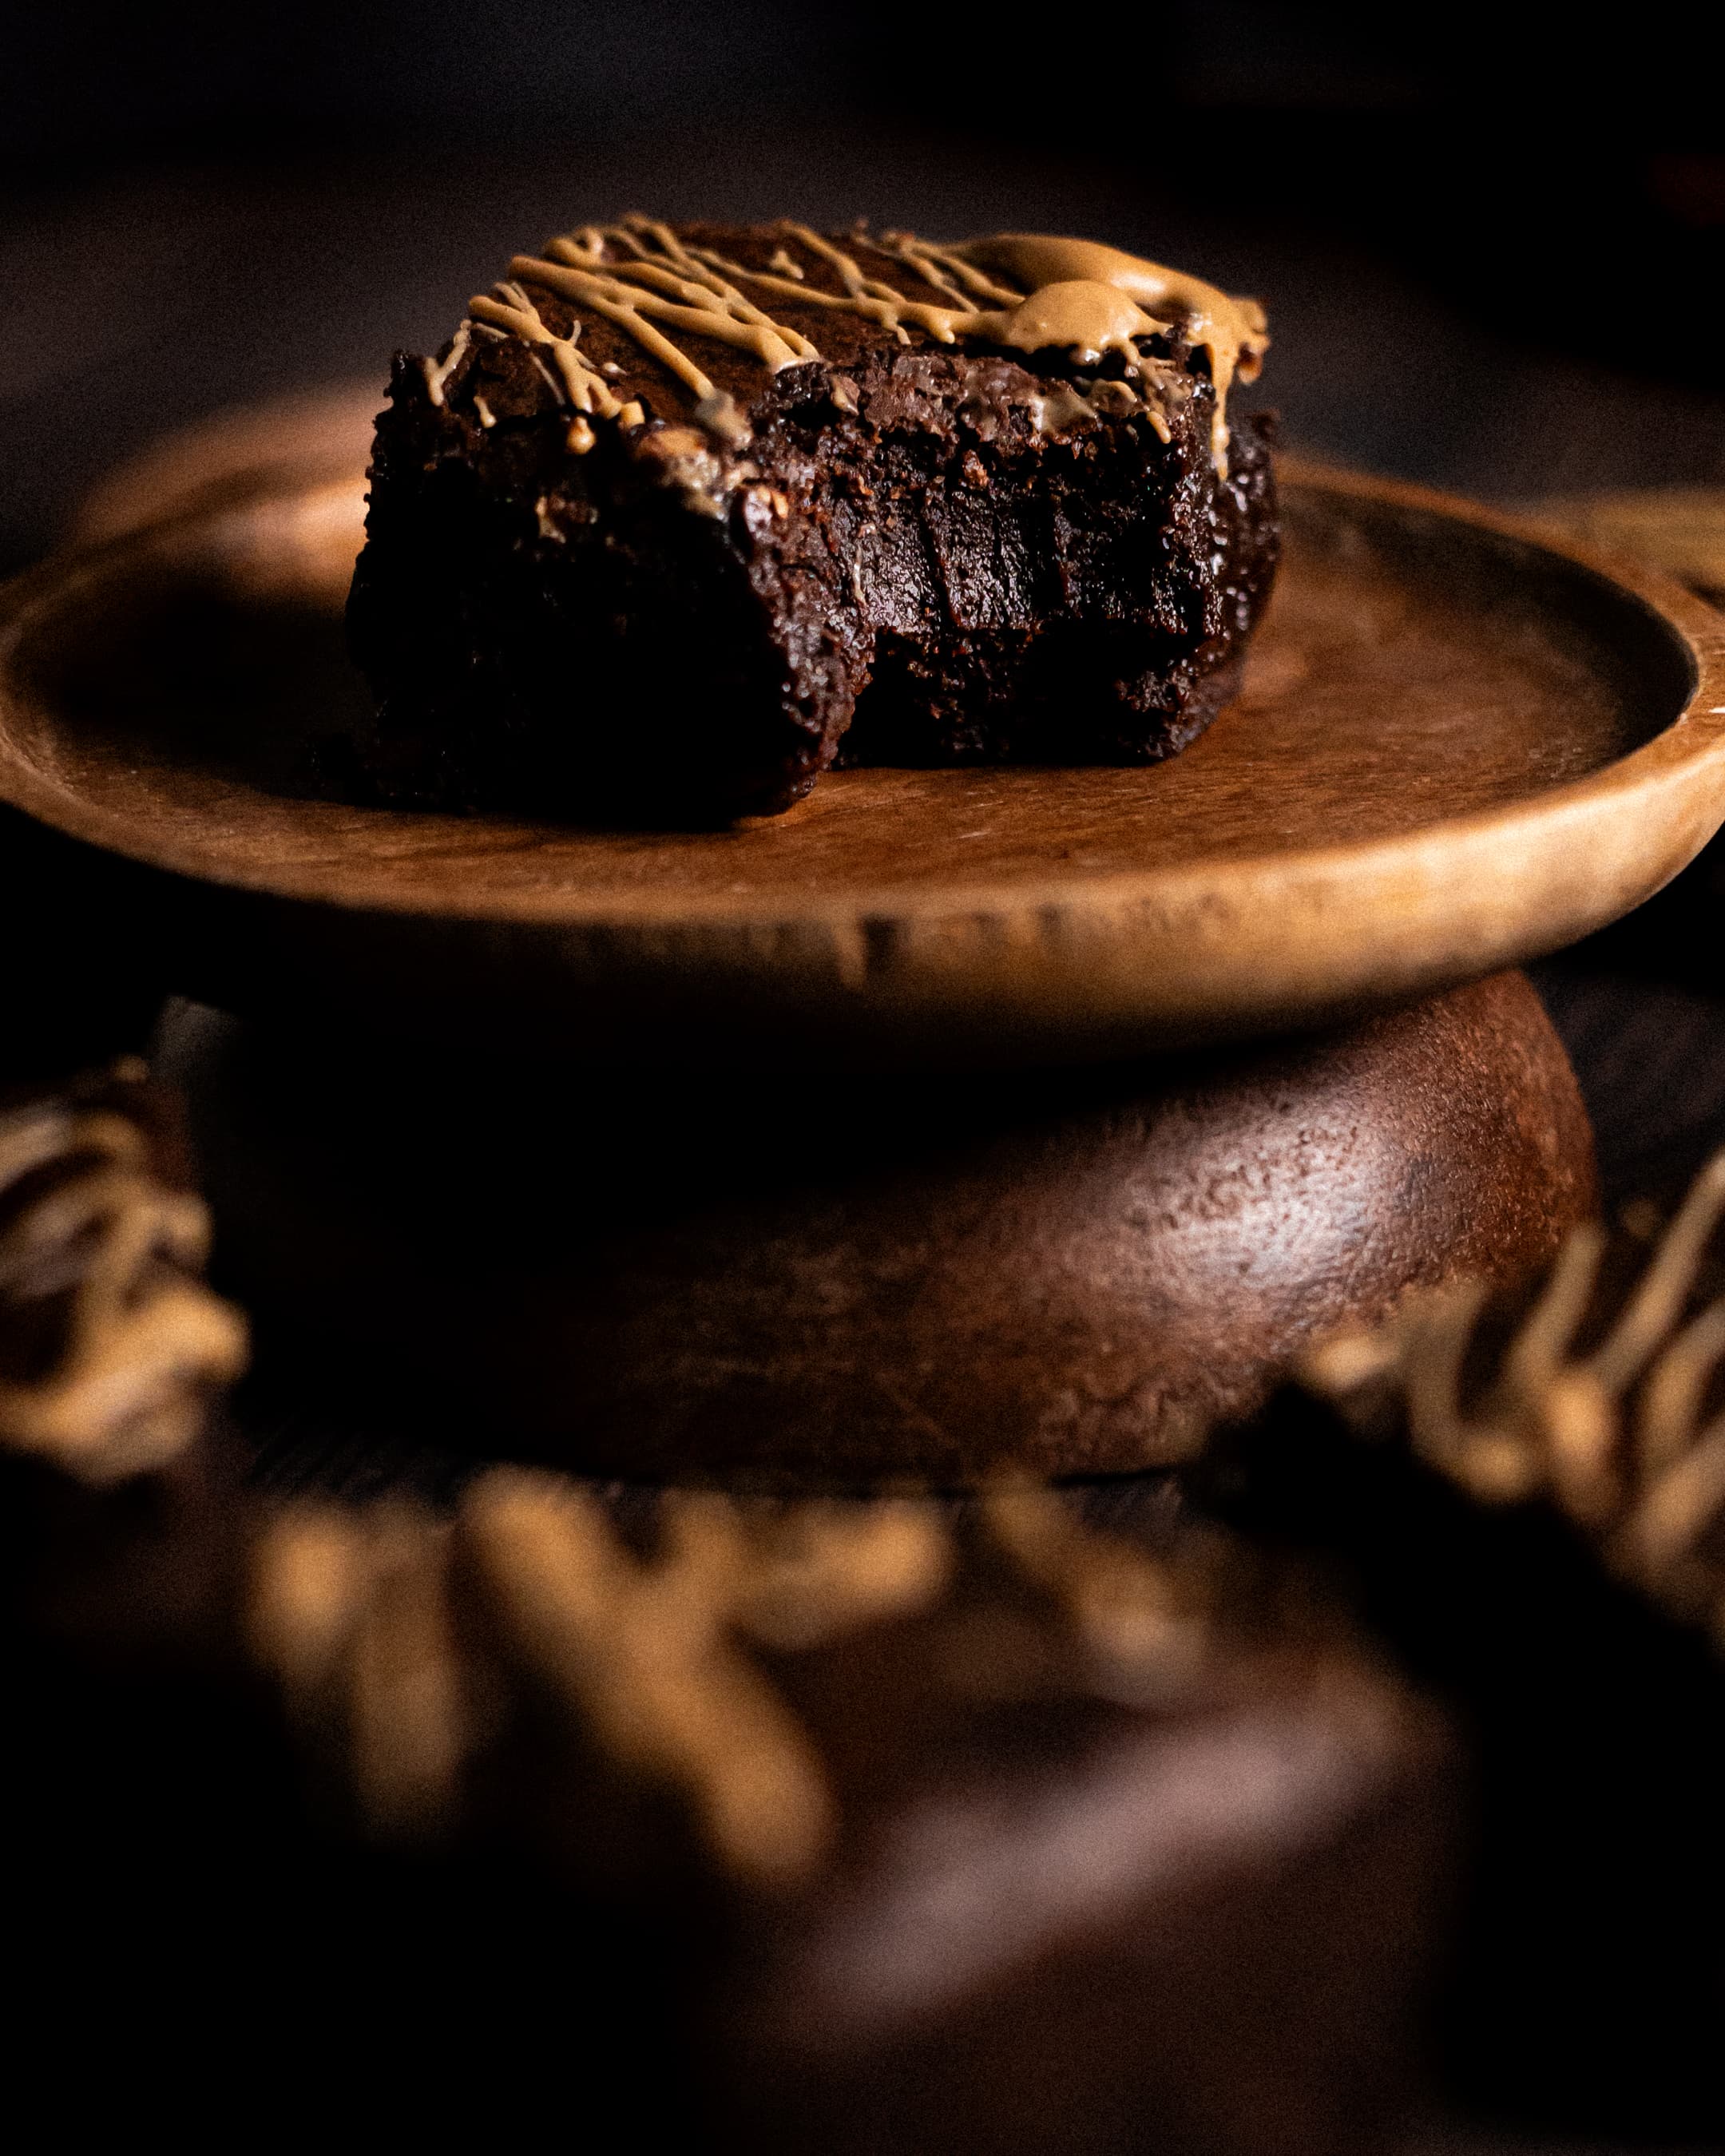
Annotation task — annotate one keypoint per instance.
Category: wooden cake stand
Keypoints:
(911, 1132)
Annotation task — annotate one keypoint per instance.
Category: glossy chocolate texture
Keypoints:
(905, 551)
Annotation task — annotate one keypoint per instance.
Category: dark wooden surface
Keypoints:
(1649, 1054)
(1079, 1271)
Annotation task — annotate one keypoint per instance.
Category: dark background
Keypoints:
(1491, 238)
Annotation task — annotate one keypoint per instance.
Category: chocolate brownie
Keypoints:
(681, 516)
(111, 1344)
(854, 1827)
(861, 1826)
(1530, 1506)
(1009, 1836)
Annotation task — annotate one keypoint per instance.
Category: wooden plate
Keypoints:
(1462, 743)
(1678, 529)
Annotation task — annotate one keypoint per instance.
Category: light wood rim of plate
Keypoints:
(1205, 946)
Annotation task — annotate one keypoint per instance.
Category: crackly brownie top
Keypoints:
(641, 318)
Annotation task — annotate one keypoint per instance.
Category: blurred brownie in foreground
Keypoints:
(1531, 1504)
(841, 1826)
(682, 514)
(995, 1836)
(111, 1344)
(867, 1826)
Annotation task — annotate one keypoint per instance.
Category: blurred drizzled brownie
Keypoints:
(681, 516)
(1530, 1502)
(111, 1344)
(866, 1826)
(994, 1835)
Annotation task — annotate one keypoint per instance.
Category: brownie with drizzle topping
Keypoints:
(862, 1827)
(682, 516)
(111, 1344)
(933, 1835)
(1528, 1497)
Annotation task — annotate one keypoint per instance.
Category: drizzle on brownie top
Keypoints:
(1023, 291)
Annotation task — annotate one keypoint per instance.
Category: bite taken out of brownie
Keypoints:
(683, 515)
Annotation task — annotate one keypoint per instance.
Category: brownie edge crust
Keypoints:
(682, 516)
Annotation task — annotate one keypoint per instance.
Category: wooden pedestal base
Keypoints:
(833, 1280)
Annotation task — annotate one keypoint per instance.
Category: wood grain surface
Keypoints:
(1461, 744)
(1678, 529)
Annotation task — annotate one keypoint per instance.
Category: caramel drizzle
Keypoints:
(350, 1611)
(1147, 1626)
(511, 311)
(647, 1654)
(438, 371)
(143, 1340)
(864, 295)
(1232, 333)
(1614, 1436)
(947, 269)
(362, 1618)
(1085, 298)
